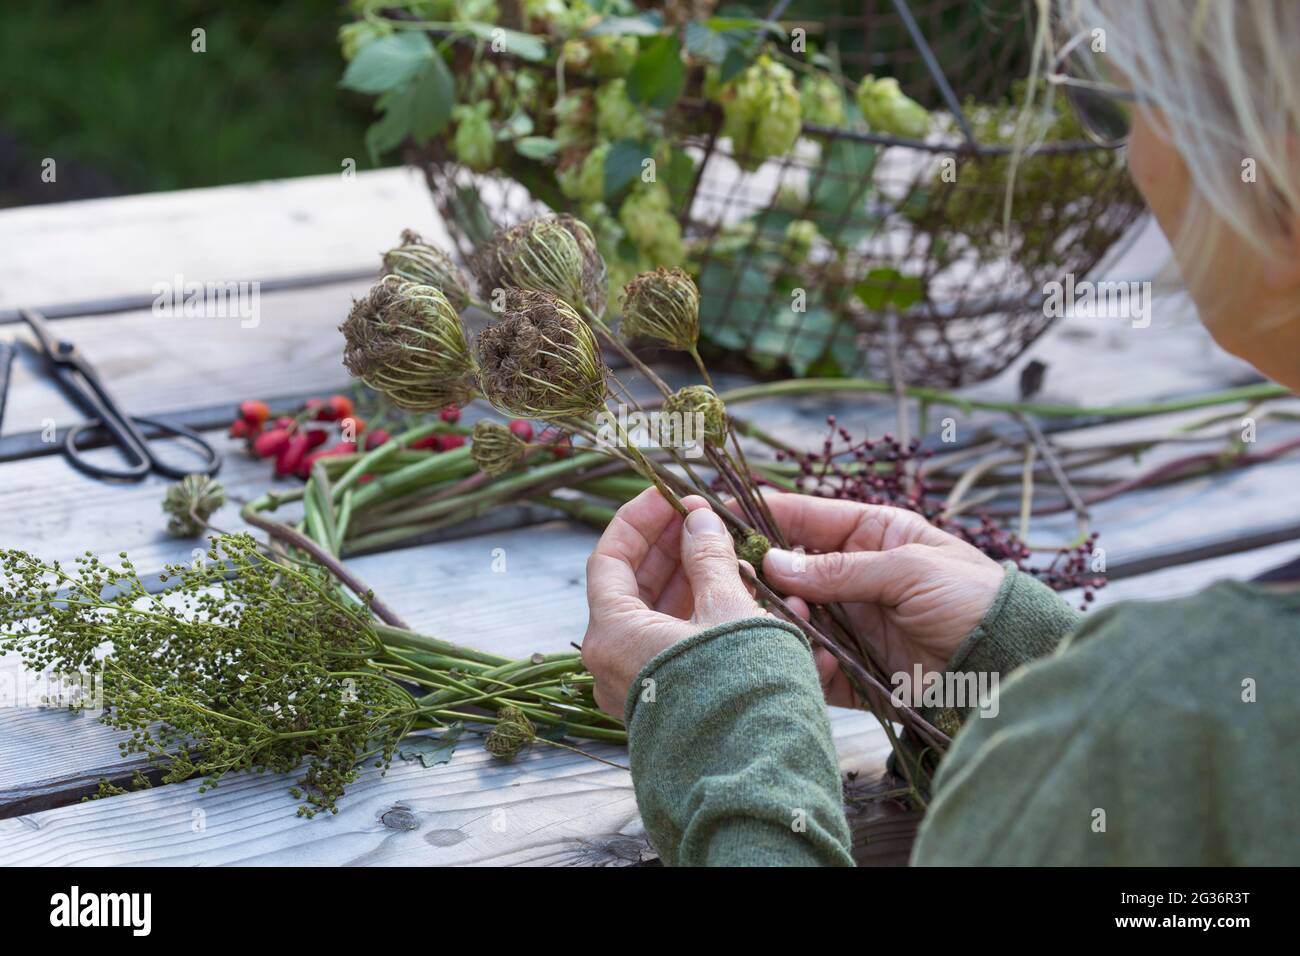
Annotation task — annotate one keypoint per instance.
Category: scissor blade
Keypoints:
(45, 337)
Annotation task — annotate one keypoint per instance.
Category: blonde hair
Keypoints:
(1225, 77)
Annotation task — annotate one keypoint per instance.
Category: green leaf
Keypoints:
(419, 110)
(537, 147)
(523, 45)
(741, 52)
(432, 96)
(648, 24)
(889, 288)
(746, 24)
(623, 164)
(657, 76)
(387, 63)
(519, 125)
(704, 43)
(679, 175)
(430, 749)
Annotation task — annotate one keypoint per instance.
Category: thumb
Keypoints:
(709, 562)
(870, 576)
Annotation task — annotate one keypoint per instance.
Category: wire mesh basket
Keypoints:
(859, 253)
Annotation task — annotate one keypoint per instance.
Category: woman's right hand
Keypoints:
(914, 592)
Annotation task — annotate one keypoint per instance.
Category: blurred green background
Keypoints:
(113, 93)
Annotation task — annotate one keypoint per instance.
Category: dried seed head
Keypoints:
(190, 502)
(540, 360)
(557, 255)
(696, 400)
(513, 732)
(495, 448)
(422, 263)
(406, 340)
(663, 305)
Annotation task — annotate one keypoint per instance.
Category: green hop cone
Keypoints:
(420, 262)
(540, 360)
(575, 119)
(189, 503)
(761, 113)
(799, 238)
(406, 340)
(651, 226)
(612, 55)
(616, 117)
(821, 101)
(475, 142)
(888, 110)
(694, 413)
(495, 448)
(663, 305)
(585, 180)
(512, 733)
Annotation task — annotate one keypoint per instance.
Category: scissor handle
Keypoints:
(135, 448)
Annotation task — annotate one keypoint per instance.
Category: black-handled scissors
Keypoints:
(79, 379)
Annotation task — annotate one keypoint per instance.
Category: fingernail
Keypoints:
(704, 521)
(779, 562)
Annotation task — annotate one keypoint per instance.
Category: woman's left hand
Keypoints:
(652, 581)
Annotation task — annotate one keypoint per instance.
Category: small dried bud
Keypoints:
(663, 305)
(190, 502)
(495, 448)
(557, 255)
(513, 732)
(540, 360)
(406, 340)
(752, 548)
(420, 262)
(691, 401)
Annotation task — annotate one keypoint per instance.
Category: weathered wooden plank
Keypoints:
(314, 225)
(547, 807)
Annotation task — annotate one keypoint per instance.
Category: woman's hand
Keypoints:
(913, 591)
(652, 581)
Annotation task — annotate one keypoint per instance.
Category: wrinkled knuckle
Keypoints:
(714, 550)
(835, 568)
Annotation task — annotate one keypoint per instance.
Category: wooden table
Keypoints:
(313, 243)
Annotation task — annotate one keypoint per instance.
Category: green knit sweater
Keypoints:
(1147, 733)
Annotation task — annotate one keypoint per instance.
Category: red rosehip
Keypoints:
(254, 412)
(376, 437)
(340, 406)
(428, 441)
(239, 429)
(451, 441)
(270, 442)
(366, 479)
(287, 422)
(522, 429)
(291, 455)
(562, 448)
(450, 414)
(342, 448)
(316, 409)
(316, 437)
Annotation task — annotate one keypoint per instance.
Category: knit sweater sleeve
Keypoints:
(731, 751)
